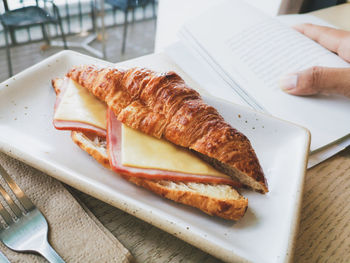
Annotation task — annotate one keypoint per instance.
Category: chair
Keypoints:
(26, 17)
(313, 5)
(125, 6)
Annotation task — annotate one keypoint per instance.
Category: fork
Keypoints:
(26, 231)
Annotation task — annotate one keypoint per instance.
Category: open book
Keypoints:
(238, 53)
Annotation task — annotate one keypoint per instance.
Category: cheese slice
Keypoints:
(144, 151)
(79, 105)
(138, 149)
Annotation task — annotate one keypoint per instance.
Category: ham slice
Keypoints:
(114, 133)
(73, 125)
(78, 126)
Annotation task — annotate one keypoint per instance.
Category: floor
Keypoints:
(140, 41)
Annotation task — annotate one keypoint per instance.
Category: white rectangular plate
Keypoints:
(265, 234)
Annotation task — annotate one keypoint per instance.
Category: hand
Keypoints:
(322, 80)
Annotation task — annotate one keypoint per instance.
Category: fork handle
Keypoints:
(50, 254)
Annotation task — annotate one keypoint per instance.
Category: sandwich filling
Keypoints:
(131, 152)
(76, 109)
(114, 146)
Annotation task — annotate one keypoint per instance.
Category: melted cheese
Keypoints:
(144, 151)
(78, 104)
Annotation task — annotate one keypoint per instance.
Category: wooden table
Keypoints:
(324, 232)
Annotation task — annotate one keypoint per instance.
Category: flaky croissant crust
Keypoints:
(162, 105)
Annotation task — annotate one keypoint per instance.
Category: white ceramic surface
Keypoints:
(265, 234)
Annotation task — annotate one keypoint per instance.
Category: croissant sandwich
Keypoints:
(156, 132)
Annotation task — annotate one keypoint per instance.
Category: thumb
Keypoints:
(318, 80)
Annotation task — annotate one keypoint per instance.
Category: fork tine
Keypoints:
(10, 202)
(22, 198)
(5, 215)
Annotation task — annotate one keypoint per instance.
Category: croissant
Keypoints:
(162, 105)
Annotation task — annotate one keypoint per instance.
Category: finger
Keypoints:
(318, 80)
(335, 40)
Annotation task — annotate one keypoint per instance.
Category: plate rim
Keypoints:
(144, 214)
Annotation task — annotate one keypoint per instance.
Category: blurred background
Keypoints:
(114, 30)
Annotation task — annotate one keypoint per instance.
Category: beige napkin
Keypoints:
(73, 231)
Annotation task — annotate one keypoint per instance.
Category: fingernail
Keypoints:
(289, 82)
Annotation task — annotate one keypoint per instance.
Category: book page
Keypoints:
(254, 51)
(194, 65)
(270, 50)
